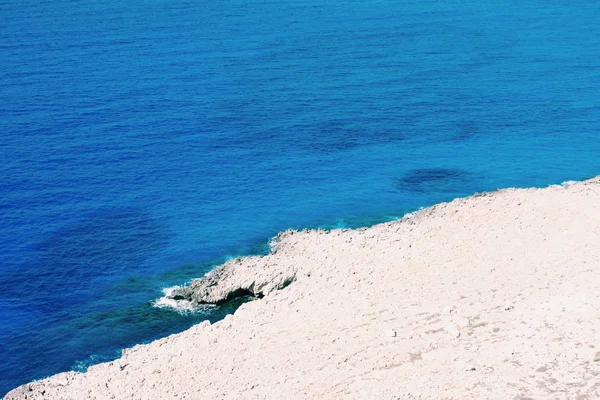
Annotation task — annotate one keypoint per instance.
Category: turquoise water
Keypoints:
(144, 141)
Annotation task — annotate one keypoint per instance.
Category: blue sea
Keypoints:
(144, 142)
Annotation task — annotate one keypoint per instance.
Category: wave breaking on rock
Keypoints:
(250, 276)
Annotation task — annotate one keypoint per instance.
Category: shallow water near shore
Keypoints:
(144, 142)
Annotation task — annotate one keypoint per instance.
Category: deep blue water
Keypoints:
(143, 141)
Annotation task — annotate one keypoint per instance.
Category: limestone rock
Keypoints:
(452, 329)
(252, 276)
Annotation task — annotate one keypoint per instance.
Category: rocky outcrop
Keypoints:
(250, 276)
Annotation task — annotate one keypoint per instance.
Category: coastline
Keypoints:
(488, 296)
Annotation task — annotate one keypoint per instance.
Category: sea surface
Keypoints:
(144, 142)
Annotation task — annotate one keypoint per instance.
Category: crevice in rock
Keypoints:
(238, 294)
(236, 279)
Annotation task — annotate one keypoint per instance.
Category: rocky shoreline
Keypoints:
(248, 276)
(492, 296)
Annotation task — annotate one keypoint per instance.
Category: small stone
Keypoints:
(452, 329)
(597, 356)
(470, 367)
(447, 310)
(392, 333)
(508, 307)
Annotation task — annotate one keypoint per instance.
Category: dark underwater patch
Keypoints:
(100, 245)
(445, 180)
(104, 238)
(333, 136)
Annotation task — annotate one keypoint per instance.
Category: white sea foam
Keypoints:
(83, 365)
(564, 184)
(273, 243)
(411, 214)
(568, 183)
(181, 306)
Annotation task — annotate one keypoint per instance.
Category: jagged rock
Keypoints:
(251, 276)
(448, 310)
